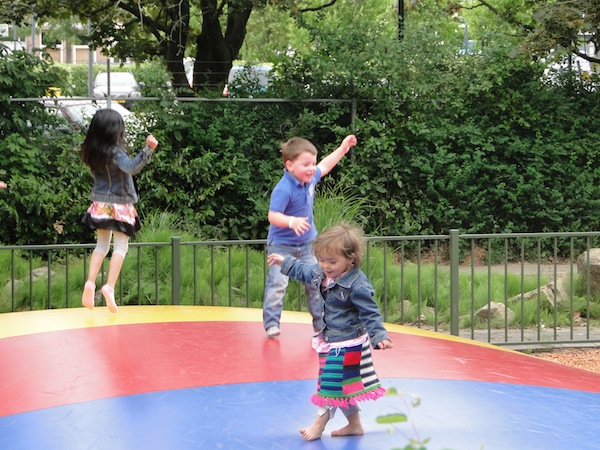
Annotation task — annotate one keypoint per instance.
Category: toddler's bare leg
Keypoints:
(315, 431)
(354, 427)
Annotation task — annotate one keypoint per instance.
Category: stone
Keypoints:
(495, 311)
(550, 296)
(594, 269)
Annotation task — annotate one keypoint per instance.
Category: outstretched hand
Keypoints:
(274, 258)
(348, 142)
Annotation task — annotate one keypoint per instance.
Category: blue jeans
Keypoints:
(277, 285)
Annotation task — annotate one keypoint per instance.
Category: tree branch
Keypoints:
(318, 8)
(509, 18)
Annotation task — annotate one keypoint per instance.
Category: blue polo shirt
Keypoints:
(293, 198)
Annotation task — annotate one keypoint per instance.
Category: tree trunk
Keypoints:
(178, 33)
(216, 52)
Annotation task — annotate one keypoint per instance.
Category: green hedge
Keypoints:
(480, 143)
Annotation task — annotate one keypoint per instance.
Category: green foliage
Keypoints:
(333, 205)
(38, 161)
(409, 402)
(23, 75)
(480, 142)
(216, 170)
(47, 189)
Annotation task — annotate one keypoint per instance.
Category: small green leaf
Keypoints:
(392, 418)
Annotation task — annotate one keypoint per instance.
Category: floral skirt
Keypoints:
(347, 376)
(112, 216)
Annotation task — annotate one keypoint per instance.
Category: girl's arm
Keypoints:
(368, 311)
(297, 270)
(275, 258)
(133, 166)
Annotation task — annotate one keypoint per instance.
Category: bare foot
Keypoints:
(349, 430)
(315, 431)
(312, 433)
(109, 296)
(87, 299)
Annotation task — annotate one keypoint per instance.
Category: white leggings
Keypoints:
(120, 244)
(349, 411)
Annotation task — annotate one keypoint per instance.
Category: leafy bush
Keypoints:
(476, 142)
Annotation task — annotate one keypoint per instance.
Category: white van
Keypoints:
(7, 47)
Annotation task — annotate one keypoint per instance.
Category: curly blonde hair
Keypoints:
(343, 239)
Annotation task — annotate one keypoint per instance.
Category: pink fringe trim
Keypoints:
(347, 401)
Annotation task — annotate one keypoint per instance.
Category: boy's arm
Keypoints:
(300, 225)
(334, 157)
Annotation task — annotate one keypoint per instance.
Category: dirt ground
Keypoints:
(582, 358)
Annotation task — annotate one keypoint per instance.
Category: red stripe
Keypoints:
(56, 368)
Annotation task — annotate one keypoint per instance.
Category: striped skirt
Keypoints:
(347, 376)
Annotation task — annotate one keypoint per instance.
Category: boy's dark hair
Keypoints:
(106, 131)
(342, 239)
(295, 146)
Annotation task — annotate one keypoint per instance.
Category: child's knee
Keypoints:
(102, 248)
(120, 248)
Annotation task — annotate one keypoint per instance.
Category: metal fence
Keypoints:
(516, 289)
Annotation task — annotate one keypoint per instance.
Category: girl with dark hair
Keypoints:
(113, 196)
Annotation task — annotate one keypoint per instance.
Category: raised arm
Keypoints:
(330, 161)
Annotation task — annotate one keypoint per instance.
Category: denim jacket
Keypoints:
(350, 309)
(114, 182)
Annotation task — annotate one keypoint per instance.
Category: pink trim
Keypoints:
(347, 401)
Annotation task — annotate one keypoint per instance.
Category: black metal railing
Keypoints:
(507, 289)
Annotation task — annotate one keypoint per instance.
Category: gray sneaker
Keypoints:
(273, 331)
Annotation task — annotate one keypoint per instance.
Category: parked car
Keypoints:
(248, 80)
(255, 79)
(123, 87)
(7, 47)
(79, 112)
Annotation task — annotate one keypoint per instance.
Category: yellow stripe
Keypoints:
(31, 322)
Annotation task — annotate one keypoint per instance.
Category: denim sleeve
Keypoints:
(297, 270)
(131, 166)
(368, 311)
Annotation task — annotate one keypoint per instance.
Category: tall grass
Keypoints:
(234, 275)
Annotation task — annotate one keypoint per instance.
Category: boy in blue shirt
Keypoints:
(291, 229)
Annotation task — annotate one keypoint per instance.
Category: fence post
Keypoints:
(454, 263)
(176, 263)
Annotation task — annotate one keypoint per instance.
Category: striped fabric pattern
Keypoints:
(347, 375)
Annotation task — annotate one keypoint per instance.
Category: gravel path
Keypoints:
(581, 358)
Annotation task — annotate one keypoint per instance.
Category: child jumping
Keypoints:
(352, 324)
(291, 229)
(113, 195)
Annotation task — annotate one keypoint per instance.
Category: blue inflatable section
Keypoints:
(460, 415)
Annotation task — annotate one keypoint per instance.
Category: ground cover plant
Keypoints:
(232, 273)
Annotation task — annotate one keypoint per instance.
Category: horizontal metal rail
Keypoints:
(513, 289)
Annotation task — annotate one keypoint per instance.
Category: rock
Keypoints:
(594, 268)
(550, 296)
(495, 311)
(40, 273)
